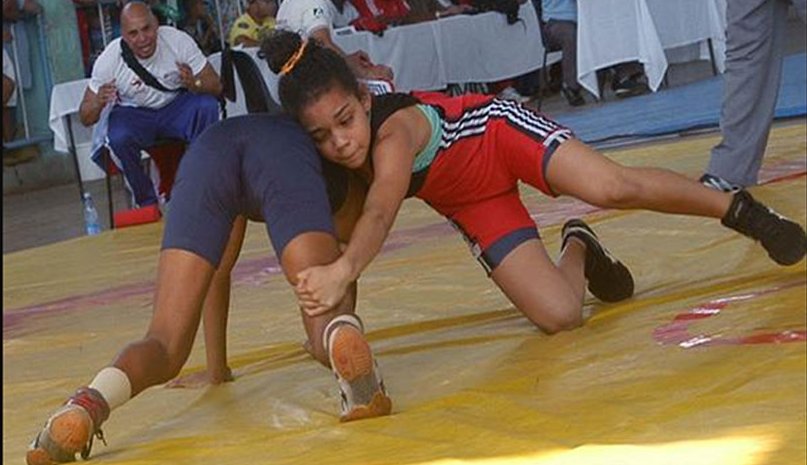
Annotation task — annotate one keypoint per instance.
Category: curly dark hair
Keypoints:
(318, 71)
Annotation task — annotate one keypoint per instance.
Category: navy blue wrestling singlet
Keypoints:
(260, 166)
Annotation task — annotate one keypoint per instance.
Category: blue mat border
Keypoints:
(681, 109)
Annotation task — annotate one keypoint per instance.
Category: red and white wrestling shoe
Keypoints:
(70, 430)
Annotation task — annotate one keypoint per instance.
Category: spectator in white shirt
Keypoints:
(177, 101)
(316, 19)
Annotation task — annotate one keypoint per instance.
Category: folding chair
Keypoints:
(166, 155)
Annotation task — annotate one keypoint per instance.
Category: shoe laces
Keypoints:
(85, 451)
(93, 402)
(97, 408)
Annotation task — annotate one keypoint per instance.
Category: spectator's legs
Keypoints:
(130, 130)
(563, 34)
(753, 71)
(8, 123)
(187, 116)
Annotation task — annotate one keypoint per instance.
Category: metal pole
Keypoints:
(103, 25)
(44, 55)
(712, 57)
(72, 147)
(108, 176)
(221, 24)
(18, 75)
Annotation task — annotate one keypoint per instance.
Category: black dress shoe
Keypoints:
(573, 96)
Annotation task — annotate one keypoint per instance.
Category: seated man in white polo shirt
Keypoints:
(317, 18)
(160, 86)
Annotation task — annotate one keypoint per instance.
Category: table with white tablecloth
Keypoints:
(65, 100)
(455, 49)
(69, 135)
(433, 54)
(617, 31)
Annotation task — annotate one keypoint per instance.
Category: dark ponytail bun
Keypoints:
(318, 70)
(278, 47)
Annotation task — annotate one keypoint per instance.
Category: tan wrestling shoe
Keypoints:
(358, 376)
(70, 430)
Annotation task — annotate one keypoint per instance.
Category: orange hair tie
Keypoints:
(289, 65)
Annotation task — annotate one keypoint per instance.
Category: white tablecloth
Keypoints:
(616, 31)
(411, 51)
(431, 55)
(457, 49)
(65, 100)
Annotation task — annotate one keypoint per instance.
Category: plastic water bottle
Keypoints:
(91, 223)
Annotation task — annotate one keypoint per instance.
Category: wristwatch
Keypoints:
(197, 83)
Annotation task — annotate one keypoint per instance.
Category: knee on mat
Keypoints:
(559, 323)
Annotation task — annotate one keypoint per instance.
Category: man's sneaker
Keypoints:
(573, 96)
(510, 93)
(719, 184)
(358, 376)
(628, 87)
(608, 279)
(70, 430)
(783, 239)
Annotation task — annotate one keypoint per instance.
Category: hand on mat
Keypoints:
(320, 288)
(200, 379)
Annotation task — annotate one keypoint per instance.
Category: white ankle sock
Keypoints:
(114, 385)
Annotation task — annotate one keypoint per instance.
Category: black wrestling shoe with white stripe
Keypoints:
(783, 239)
(608, 279)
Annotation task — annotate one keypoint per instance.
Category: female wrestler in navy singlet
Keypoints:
(257, 167)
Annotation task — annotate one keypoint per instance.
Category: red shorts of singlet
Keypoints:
(488, 145)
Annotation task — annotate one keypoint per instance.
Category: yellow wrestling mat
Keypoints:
(707, 364)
